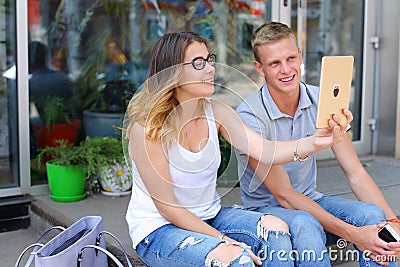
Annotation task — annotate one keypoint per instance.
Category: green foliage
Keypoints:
(108, 148)
(56, 111)
(107, 43)
(91, 154)
(225, 148)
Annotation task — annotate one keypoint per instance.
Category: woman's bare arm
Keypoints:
(241, 136)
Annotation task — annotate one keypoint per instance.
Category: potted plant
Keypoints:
(107, 104)
(69, 168)
(94, 159)
(72, 168)
(56, 123)
(109, 56)
(112, 72)
(113, 172)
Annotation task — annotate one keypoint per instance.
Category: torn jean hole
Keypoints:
(243, 259)
(263, 231)
(189, 241)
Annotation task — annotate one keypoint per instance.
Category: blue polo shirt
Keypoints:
(261, 113)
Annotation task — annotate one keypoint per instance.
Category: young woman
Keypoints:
(175, 216)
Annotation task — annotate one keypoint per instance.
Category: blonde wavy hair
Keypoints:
(155, 106)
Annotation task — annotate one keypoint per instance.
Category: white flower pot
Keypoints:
(115, 179)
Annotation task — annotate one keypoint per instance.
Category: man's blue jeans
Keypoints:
(173, 246)
(308, 236)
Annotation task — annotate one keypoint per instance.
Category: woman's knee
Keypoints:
(225, 253)
(274, 223)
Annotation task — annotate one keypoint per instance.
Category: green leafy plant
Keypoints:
(91, 154)
(108, 148)
(225, 148)
(107, 76)
(56, 111)
(227, 172)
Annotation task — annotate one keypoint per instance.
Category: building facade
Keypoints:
(95, 44)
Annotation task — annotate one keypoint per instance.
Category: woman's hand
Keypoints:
(231, 241)
(335, 133)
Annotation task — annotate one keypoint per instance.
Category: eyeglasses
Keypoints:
(199, 63)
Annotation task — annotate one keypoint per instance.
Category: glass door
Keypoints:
(14, 158)
(329, 28)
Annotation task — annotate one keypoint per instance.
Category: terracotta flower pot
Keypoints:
(47, 135)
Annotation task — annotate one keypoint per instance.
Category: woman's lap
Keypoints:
(170, 245)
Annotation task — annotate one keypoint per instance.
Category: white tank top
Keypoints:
(194, 177)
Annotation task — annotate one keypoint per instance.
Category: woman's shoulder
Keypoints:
(137, 132)
(218, 105)
(136, 127)
(222, 112)
(139, 139)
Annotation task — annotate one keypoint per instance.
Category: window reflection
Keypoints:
(334, 28)
(8, 98)
(104, 48)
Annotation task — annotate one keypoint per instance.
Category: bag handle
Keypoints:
(32, 254)
(80, 255)
(60, 228)
(36, 246)
(119, 242)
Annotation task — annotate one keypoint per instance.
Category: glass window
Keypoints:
(87, 55)
(8, 98)
(333, 28)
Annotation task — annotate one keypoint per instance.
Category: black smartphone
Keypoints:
(388, 234)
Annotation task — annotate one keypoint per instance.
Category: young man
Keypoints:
(285, 109)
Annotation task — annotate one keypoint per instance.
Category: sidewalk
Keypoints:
(46, 212)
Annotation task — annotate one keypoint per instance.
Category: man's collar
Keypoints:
(273, 110)
(305, 100)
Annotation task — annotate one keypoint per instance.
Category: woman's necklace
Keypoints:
(187, 127)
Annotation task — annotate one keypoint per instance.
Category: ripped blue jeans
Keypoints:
(173, 246)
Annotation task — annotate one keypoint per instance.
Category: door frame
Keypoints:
(281, 11)
(23, 96)
(21, 36)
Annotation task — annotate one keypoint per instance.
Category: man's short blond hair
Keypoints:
(270, 32)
